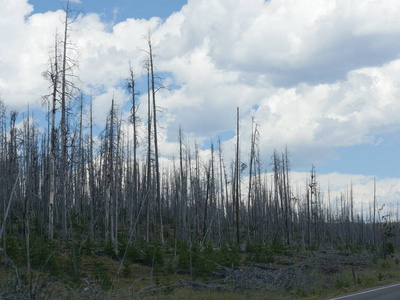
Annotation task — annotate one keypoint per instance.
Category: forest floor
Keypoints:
(307, 274)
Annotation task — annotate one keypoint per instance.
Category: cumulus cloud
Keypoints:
(290, 41)
(315, 75)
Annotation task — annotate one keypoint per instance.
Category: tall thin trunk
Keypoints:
(158, 186)
(206, 203)
(91, 173)
(64, 131)
(148, 178)
(52, 143)
(110, 174)
(237, 180)
(374, 219)
(182, 182)
(249, 194)
(222, 206)
(133, 116)
(27, 193)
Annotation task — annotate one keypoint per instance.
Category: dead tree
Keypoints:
(237, 181)
(157, 170)
(133, 118)
(67, 89)
(53, 74)
(250, 204)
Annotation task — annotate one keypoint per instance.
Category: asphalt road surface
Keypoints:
(386, 292)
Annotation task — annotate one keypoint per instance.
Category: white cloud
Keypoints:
(289, 41)
(314, 74)
(333, 186)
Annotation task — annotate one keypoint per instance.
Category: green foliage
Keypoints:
(388, 247)
(109, 250)
(341, 282)
(14, 249)
(102, 276)
(380, 276)
(203, 260)
(170, 269)
(196, 258)
(126, 271)
(42, 252)
(183, 255)
(88, 247)
(280, 248)
(354, 248)
(312, 247)
(122, 244)
(229, 256)
(153, 255)
(207, 259)
(75, 274)
(259, 253)
(301, 293)
(385, 265)
(133, 254)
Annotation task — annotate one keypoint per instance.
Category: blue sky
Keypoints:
(117, 11)
(321, 77)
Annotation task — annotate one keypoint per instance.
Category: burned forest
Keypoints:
(102, 212)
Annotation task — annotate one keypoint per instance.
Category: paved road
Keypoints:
(386, 292)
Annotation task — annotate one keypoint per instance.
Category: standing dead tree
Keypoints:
(134, 120)
(237, 180)
(68, 89)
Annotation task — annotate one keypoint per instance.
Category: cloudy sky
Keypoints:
(320, 76)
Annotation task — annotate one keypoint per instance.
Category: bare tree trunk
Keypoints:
(249, 194)
(110, 174)
(183, 183)
(148, 178)
(222, 204)
(206, 203)
(374, 219)
(308, 215)
(53, 141)
(133, 120)
(286, 184)
(158, 183)
(27, 193)
(237, 180)
(91, 174)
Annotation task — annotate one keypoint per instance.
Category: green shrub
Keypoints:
(14, 249)
(207, 259)
(109, 250)
(126, 271)
(153, 255)
(100, 273)
(183, 255)
(133, 254)
(229, 256)
(260, 253)
(88, 247)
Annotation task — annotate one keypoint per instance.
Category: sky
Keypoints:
(321, 77)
